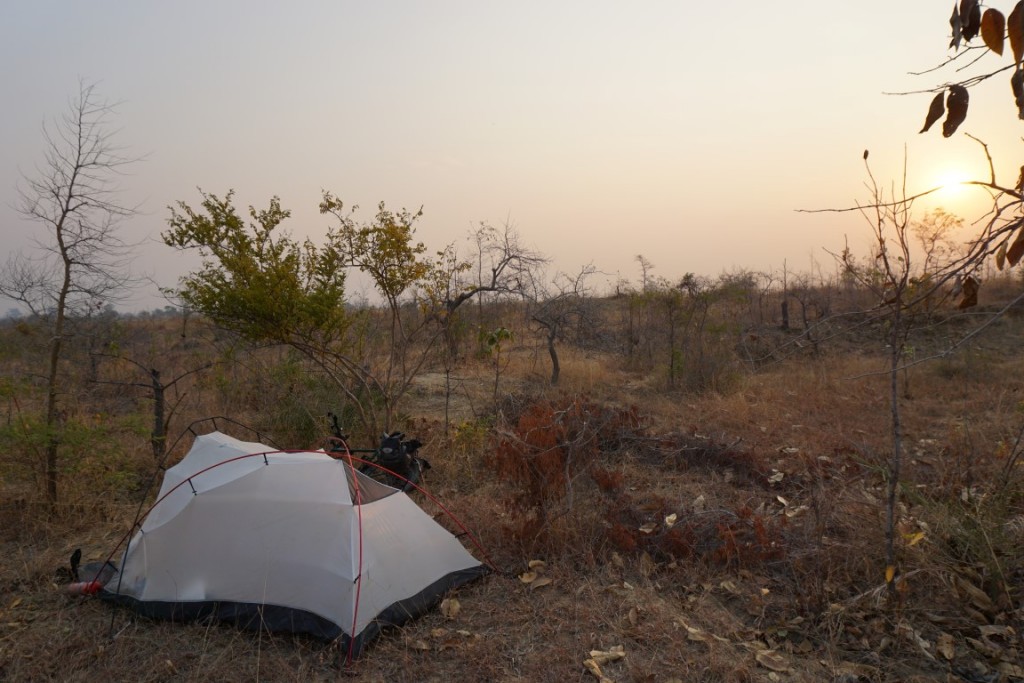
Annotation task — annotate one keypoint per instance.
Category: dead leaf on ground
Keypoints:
(770, 659)
(614, 654)
(986, 647)
(1010, 670)
(595, 670)
(945, 646)
(700, 635)
(537, 565)
(450, 608)
(976, 595)
(528, 577)
(541, 582)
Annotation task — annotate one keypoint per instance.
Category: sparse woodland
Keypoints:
(781, 476)
(704, 487)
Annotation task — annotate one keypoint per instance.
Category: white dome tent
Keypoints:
(286, 541)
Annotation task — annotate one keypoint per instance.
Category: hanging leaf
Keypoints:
(956, 106)
(1020, 181)
(1017, 85)
(1001, 256)
(954, 22)
(1015, 31)
(935, 111)
(970, 17)
(1016, 250)
(970, 290)
(993, 29)
(890, 573)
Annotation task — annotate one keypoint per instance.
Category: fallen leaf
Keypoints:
(944, 646)
(528, 577)
(777, 477)
(907, 631)
(648, 528)
(770, 659)
(1006, 632)
(450, 608)
(633, 616)
(1010, 670)
(793, 512)
(977, 596)
(449, 644)
(914, 539)
(542, 581)
(591, 666)
(671, 520)
(986, 647)
(419, 645)
(438, 632)
(17, 601)
(538, 565)
(699, 503)
(614, 654)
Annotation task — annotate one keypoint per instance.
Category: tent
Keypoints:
(286, 541)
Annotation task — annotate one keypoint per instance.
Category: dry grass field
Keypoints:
(730, 534)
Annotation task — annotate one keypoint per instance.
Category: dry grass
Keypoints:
(761, 577)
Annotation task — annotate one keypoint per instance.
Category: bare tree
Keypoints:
(554, 309)
(82, 261)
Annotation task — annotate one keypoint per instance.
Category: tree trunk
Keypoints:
(897, 452)
(556, 369)
(52, 431)
(159, 435)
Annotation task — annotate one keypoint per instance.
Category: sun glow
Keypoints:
(950, 184)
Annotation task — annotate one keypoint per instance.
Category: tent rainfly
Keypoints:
(286, 541)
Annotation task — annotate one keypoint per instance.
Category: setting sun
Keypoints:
(950, 183)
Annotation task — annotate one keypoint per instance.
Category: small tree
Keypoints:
(82, 261)
(554, 310)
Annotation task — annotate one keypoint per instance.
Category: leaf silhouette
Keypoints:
(993, 28)
(970, 289)
(935, 112)
(956, 107)
(1017, 85)
(1015, 31)
(954, 22)
(970, 16)
(1016, 250)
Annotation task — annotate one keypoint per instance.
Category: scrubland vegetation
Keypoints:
(704, 487)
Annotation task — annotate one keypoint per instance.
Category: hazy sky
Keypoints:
(686, 132)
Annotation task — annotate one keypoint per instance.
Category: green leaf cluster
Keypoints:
(256, 279)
